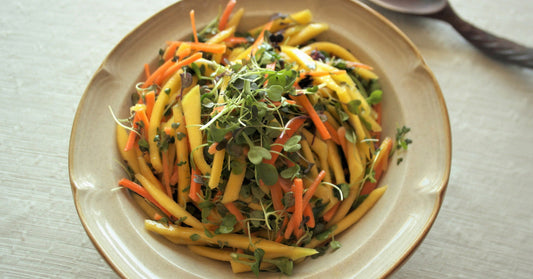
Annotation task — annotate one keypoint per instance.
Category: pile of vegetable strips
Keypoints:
(256, 148)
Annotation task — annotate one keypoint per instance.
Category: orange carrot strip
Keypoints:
(341, 133)
(166, 173)
(333, 133)
(298, 190)
(312, 188)
(290, 128)
(147, 70)
(175, 175)
(231, 41)
(174, 68)
(213, 147)
(379, 168)
(150, 80)
(358, 65)
(195, 187)
(225, 15)
(261, 38)
(306, 104)
(171, 51)
(328, 215)
(150, 101)
(142, 192)
(132, 136)
(277, 196)
(168, 130)
(308, 212)
(144, 119)
(193, 25)
(289, 229)
(230, 206)
(285, 184)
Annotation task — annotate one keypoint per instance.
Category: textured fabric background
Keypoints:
(49, 51)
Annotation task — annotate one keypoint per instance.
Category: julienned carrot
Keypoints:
(141, 192)
(132, 136)
(168, 130)
(261, 38)
(379, 166)
(308, 212)
(144, 119)
(195, 187)
(171, 51)
(150, 80)
(225, 15)
(166, 173)
(213, 147)
(333, 133)
(306, 104)
(328, 215)
(150, 101)
(298, 190)
(231, 41)
(290, 128)
(359, 65)
(175, 175)
(230, 206)
(277, 196)
(174, 68)
(341, 133)
(193, 25)
(211, 48)
(312, 188)
(147, 70)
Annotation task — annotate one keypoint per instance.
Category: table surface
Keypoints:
(49, 52)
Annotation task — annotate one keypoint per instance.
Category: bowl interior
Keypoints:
(374, 247)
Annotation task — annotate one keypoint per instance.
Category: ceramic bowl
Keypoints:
(377, 245)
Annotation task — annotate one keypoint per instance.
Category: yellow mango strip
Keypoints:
(353, 216)
(301, 17)
(305, 61)
(192, 107)
(146, 171)
(357, 171)
(130, 157)
(354, 94)
(169, 204)
(235, 19)
(308, 155)
(147, 207)
(218, 159)
(307, 33)
(212, 253)
(237, 267)
(233, 187)
(172, 85)
(342, 53)
(334, 160)
(321, 149)
(221, 36)
(182, 155)
(271, 248)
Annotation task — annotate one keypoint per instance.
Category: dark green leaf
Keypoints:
(266, 173)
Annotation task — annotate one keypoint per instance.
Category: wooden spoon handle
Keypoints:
(494, 46)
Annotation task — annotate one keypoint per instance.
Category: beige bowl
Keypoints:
(374, 247)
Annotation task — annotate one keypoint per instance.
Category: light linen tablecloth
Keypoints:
(49, 51)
